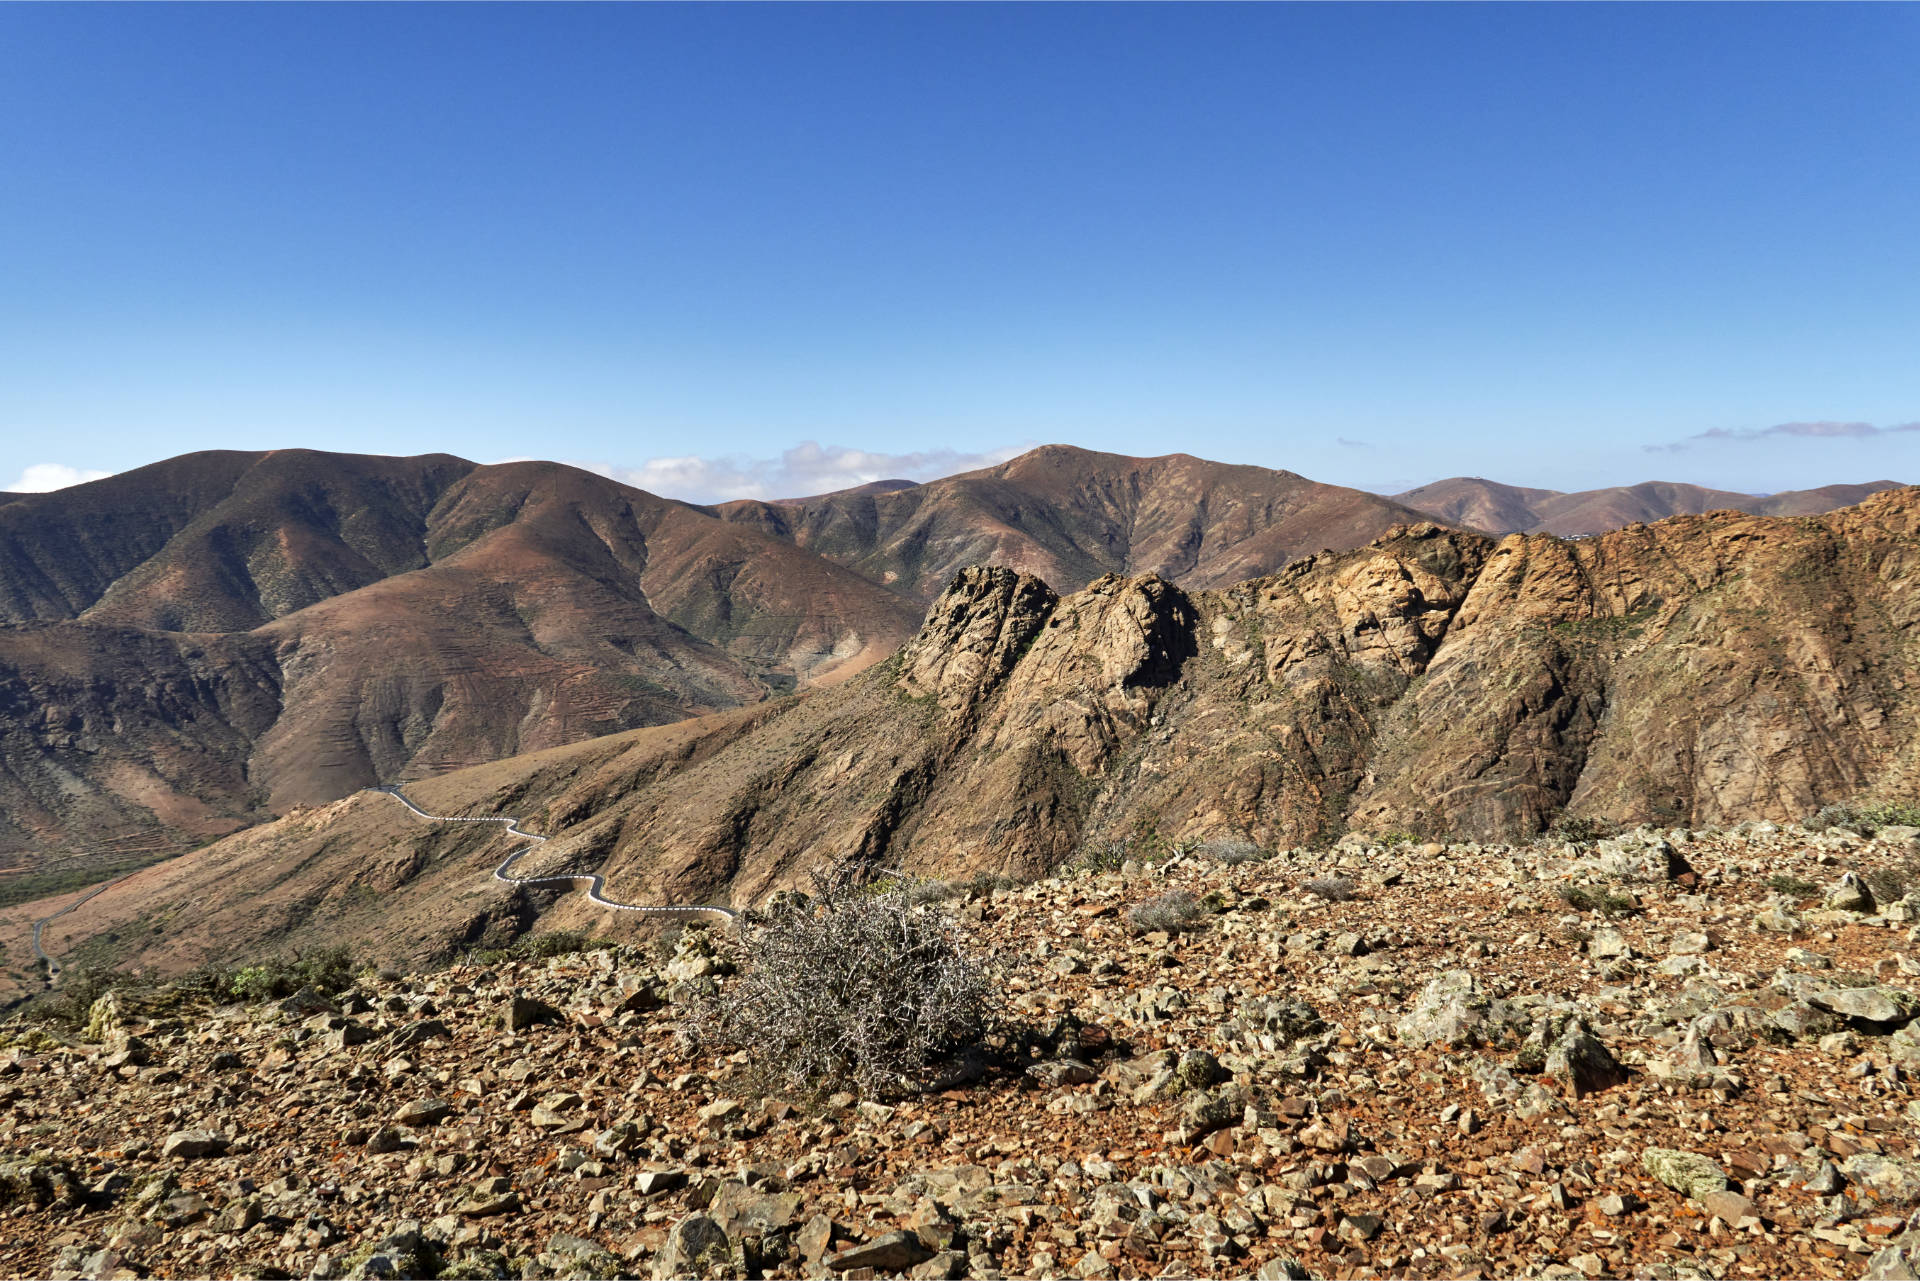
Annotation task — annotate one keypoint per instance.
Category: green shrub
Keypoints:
(1586, 898)
(1865, 819)
(1782, 883)
(325, 970)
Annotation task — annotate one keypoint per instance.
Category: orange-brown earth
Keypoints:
(1700, 671)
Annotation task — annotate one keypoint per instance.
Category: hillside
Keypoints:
(1699, 671)
(198, 644)
(1068, 515)
(1499, 509)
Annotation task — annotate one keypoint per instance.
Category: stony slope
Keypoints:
(1698, 671)
(1068, 515)
(1498, 509)
(1450, 1074)
(197, 644)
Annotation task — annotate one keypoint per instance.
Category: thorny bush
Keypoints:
(1172, 912)
(850, 985)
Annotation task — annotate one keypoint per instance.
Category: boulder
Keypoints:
(696, 1247)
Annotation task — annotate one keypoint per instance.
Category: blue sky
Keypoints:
(745, 249)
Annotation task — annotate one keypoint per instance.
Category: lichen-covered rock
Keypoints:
(1451, 1011)
(1688, 1173)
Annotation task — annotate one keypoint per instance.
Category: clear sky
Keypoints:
(739, 249)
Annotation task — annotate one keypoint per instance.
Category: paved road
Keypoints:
(53, 966)
(595, 885)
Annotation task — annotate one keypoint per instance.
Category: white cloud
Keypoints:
(808, 468)
(1804, 431)
(42, 478)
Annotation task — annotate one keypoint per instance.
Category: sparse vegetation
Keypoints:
(850, 986)
(327, 969)
(1169, 913)
(1889, 884)
(1334, 889)
(1233, 852)
(1580, 830)
(541, 947)
(1865, 820)
(1604, 902)
(1782, 883)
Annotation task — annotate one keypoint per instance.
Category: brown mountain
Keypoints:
(1697, 671)
(1507, 509)
(194, 645)
(1069, 515)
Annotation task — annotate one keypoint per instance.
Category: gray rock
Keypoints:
(1892, 1178)
(1061, 1072)
(740, 1211)
(1199, 1069)
(1887, 1005)
(1580, 1063)
(1893, 1263)
(1608, 943)
(894, 1252)
(423, 1112)
(1205, 1111)
(194, 1143)
(524, 1012)
(1850, 894)
(694, 1247)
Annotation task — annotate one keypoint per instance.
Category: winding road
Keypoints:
(594, 883)
(53, 966)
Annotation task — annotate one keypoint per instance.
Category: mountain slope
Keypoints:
(1069, 515)
(1694, 672)
(1506, 509)
(384, 617)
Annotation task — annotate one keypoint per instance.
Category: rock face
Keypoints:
(1704, 670)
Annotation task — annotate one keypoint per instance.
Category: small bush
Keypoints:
(1890, 884)
(849, 986)
(1581, 831)
(1101, 856)
(1782, 883)
(984, 884)
(327, 969)
(1864, 820)
(1233, 852)
(1586, 898)
(1334, 889)
(1172, 912)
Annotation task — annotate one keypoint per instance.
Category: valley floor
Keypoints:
(1541, 1060)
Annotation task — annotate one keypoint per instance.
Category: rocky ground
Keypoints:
(1670, 1054)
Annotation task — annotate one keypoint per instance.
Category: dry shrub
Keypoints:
(850, 985)
(1334, 889)
(1233, 852)
(1172, 912)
